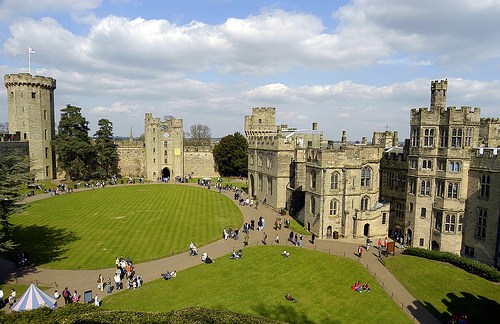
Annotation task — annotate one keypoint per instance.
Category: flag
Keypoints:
(31, 50)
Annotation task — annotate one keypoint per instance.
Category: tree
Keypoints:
(14, 171)
(231, 156)
(4, 127)
(106, 150)
(198, 135)
(74, 149)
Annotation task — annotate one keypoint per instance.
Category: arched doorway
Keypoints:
(329, 232)
(409, 237)
(252, 188)
(165, 173)
(366, 230)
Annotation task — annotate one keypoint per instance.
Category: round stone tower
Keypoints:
(30, 101)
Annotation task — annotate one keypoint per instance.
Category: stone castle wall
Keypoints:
(199, 164)
(132, 158)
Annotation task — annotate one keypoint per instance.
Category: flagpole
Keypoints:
(29, 60)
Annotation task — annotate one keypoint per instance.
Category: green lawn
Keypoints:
(445, 289)
(89, 229)
(257, 283)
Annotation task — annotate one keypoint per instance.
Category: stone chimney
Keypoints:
(344, 137)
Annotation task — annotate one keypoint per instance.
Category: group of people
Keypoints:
(169, 274)
(229, 233)
(11, 300)
(360, 288)
(296, 239)
(125, 270)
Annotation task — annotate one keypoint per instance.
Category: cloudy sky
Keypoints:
(355, 65)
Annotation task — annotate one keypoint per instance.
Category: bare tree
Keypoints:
(4, 127)
(198, 134)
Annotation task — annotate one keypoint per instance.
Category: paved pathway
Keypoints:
(84, 280)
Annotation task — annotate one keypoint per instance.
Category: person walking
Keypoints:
(264, 239)
(360, 251)
(313, 236)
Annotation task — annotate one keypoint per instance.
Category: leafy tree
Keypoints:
(14, 171)
(198, 135)
(231, 156)
(74, 149)
(106, 150)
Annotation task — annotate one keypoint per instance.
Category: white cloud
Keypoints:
(11, 9)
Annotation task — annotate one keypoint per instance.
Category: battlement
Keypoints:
(489, 120)
(26, 79)
(439, 85)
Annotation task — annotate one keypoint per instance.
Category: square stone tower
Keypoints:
(30, 101)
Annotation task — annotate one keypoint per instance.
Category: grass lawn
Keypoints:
(257, 283)
(89, 229)
(445, 289)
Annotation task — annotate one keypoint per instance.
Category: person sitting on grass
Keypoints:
(169, 274)
(205, 258)
(366, 287)
(290, 298)
(357, 287)
(236, 255)
(285, 254)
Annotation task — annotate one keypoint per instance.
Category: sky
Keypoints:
(358, 65)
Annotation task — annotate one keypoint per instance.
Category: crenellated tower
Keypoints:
(438, 94)
(31, 114)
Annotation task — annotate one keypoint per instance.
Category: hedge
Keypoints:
(89, 314)
(485, 271)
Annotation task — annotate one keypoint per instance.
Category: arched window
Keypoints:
(313, 206)
(425, 188)
(365, 202)
(334, 207)
(334, 183)
(313, 179)
(366, 175)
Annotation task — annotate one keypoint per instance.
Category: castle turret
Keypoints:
(438, 94)
(31, 113)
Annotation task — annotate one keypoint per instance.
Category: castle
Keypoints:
(437, 191)
(162, 154)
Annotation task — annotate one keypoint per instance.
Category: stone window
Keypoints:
(410, 207)
(384, 218)
(423, 212)
(261, 181)
(468, 136)
(453, 190)
(469, 251)
(33, 95)
(334, 182)
(268, 162)
(415, 137)
(45, 134)
(456, 137)
(270, 185)
(443, 138)
(45, 114)
(366, 175)
(438, 221)
(482, 214)
(425, 188)
(421, 242)
(485, 186)
(449, 223)
(413, 163)
(365, 202)
(428, 137)
(313, 206)
(440, 188)
(334, 207)
(441, 164)
(46, 152)
(427, 164)
(455, 166)
(412, 186)
(313, 179)
(460, 223)
(399, 211)
(47, 170)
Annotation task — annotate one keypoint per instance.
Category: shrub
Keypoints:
(89, 314)
(485, 271)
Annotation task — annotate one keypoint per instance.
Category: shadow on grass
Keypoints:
(287, 314)
(42, 244)
(478, 309)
